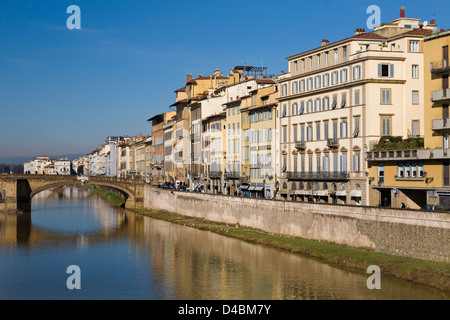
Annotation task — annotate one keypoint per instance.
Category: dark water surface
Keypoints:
(122, 255)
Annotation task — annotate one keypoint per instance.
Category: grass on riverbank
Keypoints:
(114, 198)
(433, 274)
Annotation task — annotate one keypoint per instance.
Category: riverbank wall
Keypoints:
(410, 233)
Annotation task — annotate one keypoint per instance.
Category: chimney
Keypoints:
(188, 77)
(217, 72)
(402, 12)
(324, 42)
(359, 31)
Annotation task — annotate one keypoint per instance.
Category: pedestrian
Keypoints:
(403, 206)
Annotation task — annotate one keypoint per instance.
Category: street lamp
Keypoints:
(264, 188)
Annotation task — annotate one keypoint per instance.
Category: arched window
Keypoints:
(294, 187)
(317, 186)
(285, 185)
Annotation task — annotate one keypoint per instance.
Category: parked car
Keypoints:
(433, 207)
(167, 185)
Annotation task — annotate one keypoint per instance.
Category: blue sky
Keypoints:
(64, 91)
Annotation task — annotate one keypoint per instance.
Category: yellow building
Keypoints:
(258, 151)
(419, 176)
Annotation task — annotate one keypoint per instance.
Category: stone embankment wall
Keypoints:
(412, 233)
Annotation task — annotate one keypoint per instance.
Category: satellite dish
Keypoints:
(436, 30)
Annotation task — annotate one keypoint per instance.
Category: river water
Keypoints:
(122, 255)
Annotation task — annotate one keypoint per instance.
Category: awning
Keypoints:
(259, 188)
(341, 193)
(251, 188)
(355, 193)
(303, 192)
(321, 193)
(243, 187)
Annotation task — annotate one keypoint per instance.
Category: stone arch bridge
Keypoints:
(17, 190)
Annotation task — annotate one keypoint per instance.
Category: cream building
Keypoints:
(338, 99)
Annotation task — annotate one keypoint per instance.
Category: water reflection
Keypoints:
(127, 256)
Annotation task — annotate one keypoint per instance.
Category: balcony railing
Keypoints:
(314, 175)
(333, 143)
(300, 145)
(440, 124)
(215, 174)
(440, 67)
(232, 175)
(398, 154)
(440, 95)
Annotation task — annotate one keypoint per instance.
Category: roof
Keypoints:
(231, 102)
(422, 32)
(181, 90)
(265, 81)
(178, 102)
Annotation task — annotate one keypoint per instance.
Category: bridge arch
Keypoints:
(127, 194)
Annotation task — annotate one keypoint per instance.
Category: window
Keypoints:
(294, 87)
(309, 133)
(344, 54)
(336, 57)
(414, 46)
(357, 101)
(344, 129)
(356, 72)
(385, 126)
(310, 64)
(344, 75)
(318, 61)
(325, 103)
(380, 173)
(356, 131)
(284, 134)
(385, 70)
(295, 133)
(415, 128)
(318, 131)
(295, 67)
(356, 161)
(415, 71)
(284, 111)
(400, 170)
(334, 104)
(327, 59)
(326, 80)
(325, 125)
(303, 66)
(393, 47)
(344, 100)
(415, 97)
(385, 96)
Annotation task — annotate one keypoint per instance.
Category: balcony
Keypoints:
(440, 67)
(245, 179)
(409, 154)
(440, 124)
(331, 175)
(232, 175)
(215, 174)
(441, 153)
(300, 145)
(333, 143)
(440, 95)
